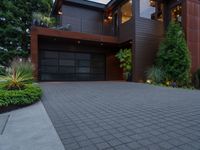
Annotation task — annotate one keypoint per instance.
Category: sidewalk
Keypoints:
(28, 129)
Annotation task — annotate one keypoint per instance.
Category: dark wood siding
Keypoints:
(113, 70)
(82, 19)
(193, 31)
(85, 20)
(126, 31)
(148, 34)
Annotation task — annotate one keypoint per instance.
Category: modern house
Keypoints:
(94, 32)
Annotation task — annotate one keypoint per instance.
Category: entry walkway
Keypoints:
(28, 128)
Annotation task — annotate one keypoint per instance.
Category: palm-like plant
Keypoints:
(19, 73)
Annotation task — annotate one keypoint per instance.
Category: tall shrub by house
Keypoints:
(125, 58)
(174, 57)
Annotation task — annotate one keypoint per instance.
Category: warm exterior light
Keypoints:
(149, 81)
(110, 17)
(60, 12)
(167, 83)
(152, 3)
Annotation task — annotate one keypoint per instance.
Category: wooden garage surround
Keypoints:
(40, 31)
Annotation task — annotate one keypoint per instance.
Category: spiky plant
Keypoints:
(155, 74)
(17, 75)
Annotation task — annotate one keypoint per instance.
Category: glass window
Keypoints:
(176, 13)
(126, 11)
(151, 9)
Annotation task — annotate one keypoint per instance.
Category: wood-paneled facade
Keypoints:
(192, 28)
(89, 32)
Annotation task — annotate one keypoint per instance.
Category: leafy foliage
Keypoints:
(155, 74)
(19, 73)
(15, 23)
(2, 70)
(6, 57)
(173, 56)
(125, 58)
(30, 94)
(197, 79)
(42, 20)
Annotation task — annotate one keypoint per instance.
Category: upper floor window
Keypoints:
(126, 11)
(151, 9)
(176, 13)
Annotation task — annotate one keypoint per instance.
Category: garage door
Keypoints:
(68, 66)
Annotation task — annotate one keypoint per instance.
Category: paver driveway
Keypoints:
(123, 116)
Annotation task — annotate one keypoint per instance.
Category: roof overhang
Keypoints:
(40, 31)
(84, 3)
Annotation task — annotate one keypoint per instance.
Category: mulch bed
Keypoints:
(9, 108)
(13, 107)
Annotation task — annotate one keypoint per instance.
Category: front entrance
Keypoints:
(71, 66)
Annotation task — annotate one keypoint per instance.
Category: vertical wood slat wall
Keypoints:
(193, 31)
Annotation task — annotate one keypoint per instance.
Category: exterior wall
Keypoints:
(147, 34)
(193, 31)
(34, 52)
(112, 68)
(125, 31)
(86, 20)
(82, 19)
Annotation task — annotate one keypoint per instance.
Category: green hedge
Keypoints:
(29, 95)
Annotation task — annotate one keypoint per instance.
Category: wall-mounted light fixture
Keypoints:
(59, 12)
(152, 3)
(110, 17)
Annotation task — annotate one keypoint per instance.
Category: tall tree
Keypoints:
(15, 23)
(174, 57)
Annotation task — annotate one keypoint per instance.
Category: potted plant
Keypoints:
(37, 18)
(42, 20)
(125, 58)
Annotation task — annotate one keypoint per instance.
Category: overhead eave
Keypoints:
(39, 31)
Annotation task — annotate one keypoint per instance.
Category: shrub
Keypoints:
(155, 74)
(40, 19)
(125, 58)
(173, 56)
(30, 94)
(197, 79)
(19, 73)
(6, 57)
(2, 70)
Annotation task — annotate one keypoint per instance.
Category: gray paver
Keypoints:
(121, 115)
